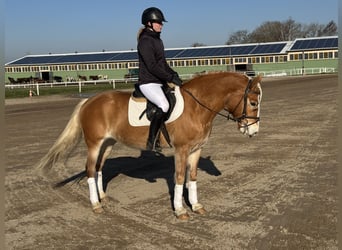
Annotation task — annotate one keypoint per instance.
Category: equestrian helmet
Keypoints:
(152, 14)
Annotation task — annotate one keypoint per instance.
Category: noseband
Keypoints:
(229, 116)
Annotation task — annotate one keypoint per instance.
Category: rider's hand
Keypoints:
(176, 80)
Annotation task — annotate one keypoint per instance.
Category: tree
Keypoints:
(197, 44)
(238, 37)
(330, 29)
(312, 30)
(288, 30)
(267, 32)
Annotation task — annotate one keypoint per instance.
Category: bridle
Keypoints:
(229, 116)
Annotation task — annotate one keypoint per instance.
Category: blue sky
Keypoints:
(66, 26)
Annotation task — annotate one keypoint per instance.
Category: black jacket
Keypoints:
(152, 63)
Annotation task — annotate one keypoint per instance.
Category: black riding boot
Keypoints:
(153, 137)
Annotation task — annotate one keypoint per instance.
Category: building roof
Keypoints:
(184, 53)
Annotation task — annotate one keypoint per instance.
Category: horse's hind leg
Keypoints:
(97, 155)
(107, 148)
(191, 182)
(91, 174)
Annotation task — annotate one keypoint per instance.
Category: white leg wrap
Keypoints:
(178, 197)
(192, 186)
(100, 185)
(92, 190)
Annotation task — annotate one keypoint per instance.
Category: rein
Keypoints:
(230, 116)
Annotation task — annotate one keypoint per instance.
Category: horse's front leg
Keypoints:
(181, 157)
(191, 184)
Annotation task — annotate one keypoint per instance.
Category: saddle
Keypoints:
(151, 107)
(141, 110)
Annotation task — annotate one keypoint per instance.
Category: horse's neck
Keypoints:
(212, 96)
(213, 91)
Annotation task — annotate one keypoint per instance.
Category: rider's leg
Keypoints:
(154, 93)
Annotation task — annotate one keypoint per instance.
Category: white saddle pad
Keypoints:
(135, 109)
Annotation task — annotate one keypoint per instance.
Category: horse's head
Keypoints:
(244, 106)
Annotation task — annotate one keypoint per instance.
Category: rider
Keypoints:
(154, 72)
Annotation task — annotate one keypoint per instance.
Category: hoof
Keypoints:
(183, 217)
(182, 214)
(198, 209)
(97, 208)
(104, 201)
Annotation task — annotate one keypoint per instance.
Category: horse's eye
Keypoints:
(254, 104)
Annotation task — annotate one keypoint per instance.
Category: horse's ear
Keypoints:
(256, 81)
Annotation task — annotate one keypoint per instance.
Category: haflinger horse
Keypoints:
(103, 120)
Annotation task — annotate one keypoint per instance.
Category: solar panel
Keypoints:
(241, 50)
(268, 48)
(217, 51)
(126, 56)
(172, 53)
(204, 52)
(315, 43)
(84, 58)
(34, 60)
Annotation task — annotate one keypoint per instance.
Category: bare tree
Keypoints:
(288, 30)
(267, 32)
(238, 37)
(312, 30)
(197, 44)
(330, 29)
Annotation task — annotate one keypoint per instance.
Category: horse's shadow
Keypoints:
(148, 166)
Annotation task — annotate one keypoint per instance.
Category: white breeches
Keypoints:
(154, 93)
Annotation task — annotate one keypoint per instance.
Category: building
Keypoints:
(297, 56)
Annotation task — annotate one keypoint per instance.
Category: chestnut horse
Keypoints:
(103, 120)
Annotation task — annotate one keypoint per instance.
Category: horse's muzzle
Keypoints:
(249, 130)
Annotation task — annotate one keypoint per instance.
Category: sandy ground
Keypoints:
(274, 191)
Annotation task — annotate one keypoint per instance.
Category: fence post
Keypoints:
(79, 87)
(113, 83)
(37, 86)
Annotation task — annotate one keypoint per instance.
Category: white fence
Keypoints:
(35, 87)
(298, 71)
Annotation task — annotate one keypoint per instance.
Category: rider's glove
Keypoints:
(176, 80)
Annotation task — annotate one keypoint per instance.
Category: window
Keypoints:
(92, 66)
(295, 57)
(240, 60)
(9, 69)
(73, 67)
(83, 66)
(227, 61)
(44, 68)
(202, 62)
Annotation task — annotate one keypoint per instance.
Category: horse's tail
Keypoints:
(66, 141)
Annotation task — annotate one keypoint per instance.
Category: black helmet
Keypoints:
(152, 14)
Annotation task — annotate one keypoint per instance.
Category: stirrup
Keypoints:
(155, 147)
